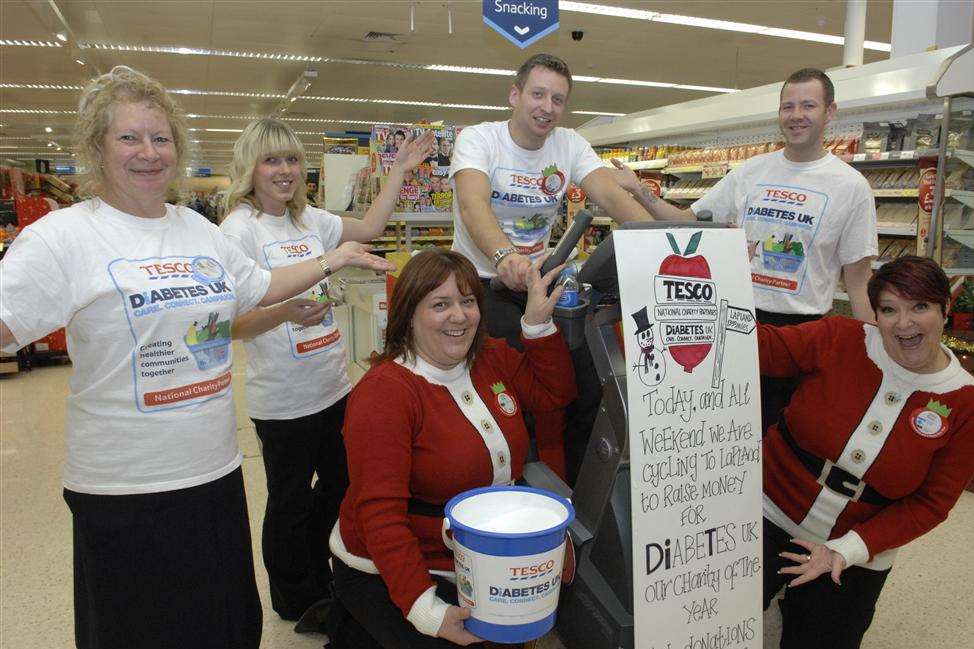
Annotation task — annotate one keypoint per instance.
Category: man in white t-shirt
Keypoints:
(509, 179)
(808, 217)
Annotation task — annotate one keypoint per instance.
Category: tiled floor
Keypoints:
(927, 602)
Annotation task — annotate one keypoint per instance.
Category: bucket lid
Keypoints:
(502, 511)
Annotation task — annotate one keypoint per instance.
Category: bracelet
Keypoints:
(500, 253)
(323, 263)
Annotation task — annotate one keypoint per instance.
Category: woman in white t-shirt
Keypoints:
(148, 292)
(296, 371)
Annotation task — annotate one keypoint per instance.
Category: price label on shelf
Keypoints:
(714, 170)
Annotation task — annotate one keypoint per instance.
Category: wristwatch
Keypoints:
(500, 253)
(325, 266)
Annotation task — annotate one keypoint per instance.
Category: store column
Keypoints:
(922, 25)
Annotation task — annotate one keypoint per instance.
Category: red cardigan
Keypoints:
(406, 437)
(857, 407)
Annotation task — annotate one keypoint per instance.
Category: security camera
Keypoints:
(577, 35)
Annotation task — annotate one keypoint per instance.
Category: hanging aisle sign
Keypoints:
(522, 21)
(694, 437)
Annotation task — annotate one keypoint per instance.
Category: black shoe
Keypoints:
(313, 619)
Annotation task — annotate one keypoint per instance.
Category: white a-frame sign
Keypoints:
(694, 437)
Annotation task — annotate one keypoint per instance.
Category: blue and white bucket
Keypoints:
(508, 547)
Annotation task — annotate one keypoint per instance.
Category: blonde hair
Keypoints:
(122, 85)
(266, 136)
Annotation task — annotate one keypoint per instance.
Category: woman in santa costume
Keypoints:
(873, 451)
(439, 413)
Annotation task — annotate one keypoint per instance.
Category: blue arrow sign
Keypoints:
(522, 21)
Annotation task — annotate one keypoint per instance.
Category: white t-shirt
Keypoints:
(806, 220)
(147, 304)
(292, 371)
(526, 187)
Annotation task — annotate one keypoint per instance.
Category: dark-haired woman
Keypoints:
(439, 413)
(873, 451)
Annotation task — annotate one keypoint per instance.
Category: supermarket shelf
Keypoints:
(432, 238)
(602, 220)
(694, 169)
(964, 196)
(646, 164)
(963, 154)
(896, 193)
(683, 196)
(896, 229)
(964, 237)
(386, 239)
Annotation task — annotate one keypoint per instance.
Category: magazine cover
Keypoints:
(426, 189)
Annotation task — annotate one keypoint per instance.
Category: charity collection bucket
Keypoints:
(508, 547)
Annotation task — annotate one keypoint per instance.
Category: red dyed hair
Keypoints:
(915, 278)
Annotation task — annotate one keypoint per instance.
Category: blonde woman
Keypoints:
(148, 292)
(296, 375)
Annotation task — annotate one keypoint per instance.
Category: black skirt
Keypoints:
(165, 570)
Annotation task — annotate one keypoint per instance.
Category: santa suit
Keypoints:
(416, 432)
(858, 408)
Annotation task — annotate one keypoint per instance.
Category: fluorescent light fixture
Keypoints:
(37, 111)
(219, 130)
(61, 36)
(681, 86)
(597, 112)
(580, 77)
(40, 86)
(79, 62)
(710, 23)
(166, 49)
(470, 70)
(635, 82)
(48, 129)
(20, 43)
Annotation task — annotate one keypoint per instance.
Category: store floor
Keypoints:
(926, 604)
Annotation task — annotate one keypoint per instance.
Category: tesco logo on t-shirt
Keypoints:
(170, 268)
(295, 249)
(785, 195)
(525, 182)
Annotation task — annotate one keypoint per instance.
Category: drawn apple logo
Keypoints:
(552, 180)
(696, 267)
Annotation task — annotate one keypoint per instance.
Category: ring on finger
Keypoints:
(806, 558)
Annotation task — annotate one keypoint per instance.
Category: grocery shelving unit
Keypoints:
(409, 231)
(885, 91)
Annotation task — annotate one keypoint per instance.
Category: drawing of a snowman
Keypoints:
(651, 367)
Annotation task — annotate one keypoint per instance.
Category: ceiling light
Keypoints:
(79, 61)
(163, 49)
(636, 82)
(681, 86)
(596, 112)
(37, 111)
(710, 23)
(61, 36)
(40, 86)
(470, 70)
(48, 129)
(20, 43)
(580, 77)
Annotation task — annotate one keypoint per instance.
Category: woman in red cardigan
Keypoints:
(873, 451)
(439, 413)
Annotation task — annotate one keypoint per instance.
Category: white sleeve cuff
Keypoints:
(852, 548)
(538, 331)
(427, 612)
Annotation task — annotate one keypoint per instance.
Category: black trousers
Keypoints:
(164, 570)
(504, 321)
(820, 614)
(372, 621)
(299, 517)
(776, 392)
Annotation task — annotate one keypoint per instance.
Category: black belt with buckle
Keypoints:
(832, 476)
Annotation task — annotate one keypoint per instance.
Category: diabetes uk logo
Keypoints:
(689, 319)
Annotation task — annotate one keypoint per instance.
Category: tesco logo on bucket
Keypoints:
(526, 572)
